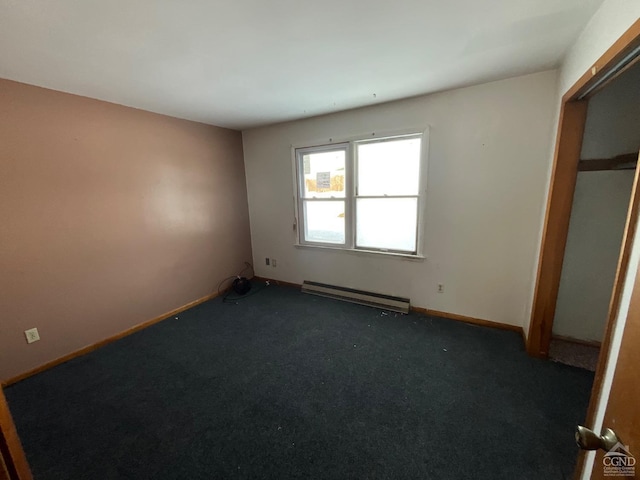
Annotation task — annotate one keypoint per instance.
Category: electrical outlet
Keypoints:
(266, 261)
(32, 335)
(440, 288)
(274, 263)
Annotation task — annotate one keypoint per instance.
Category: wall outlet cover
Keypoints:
(32, 335)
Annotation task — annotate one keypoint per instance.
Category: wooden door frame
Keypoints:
(11, 450)
(556, 227)
(573, 112)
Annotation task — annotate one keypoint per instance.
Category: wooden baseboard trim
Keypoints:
(465, 319)
(101, 343)
(588, 343)
(427, 311)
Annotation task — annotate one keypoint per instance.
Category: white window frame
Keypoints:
(348, 193)
(350, 146)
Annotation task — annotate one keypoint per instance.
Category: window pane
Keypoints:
(323, 174)
(387, 223)
(324, 221)
(389, 168)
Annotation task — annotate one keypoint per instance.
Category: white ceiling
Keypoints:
(244, 63)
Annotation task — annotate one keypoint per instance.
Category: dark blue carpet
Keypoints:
(286, 385)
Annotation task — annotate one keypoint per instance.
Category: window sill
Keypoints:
(354, 251)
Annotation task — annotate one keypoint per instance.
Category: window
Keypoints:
(362, 195)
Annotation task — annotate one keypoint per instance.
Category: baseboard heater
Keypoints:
(386, 302)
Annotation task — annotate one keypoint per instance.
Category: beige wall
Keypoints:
(110, 216)
(485, 189)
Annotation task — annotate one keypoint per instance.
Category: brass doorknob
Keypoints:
(589, 440)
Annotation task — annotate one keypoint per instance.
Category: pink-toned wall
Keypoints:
(109, 217)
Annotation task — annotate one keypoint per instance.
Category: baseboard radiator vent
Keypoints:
(378, 300)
